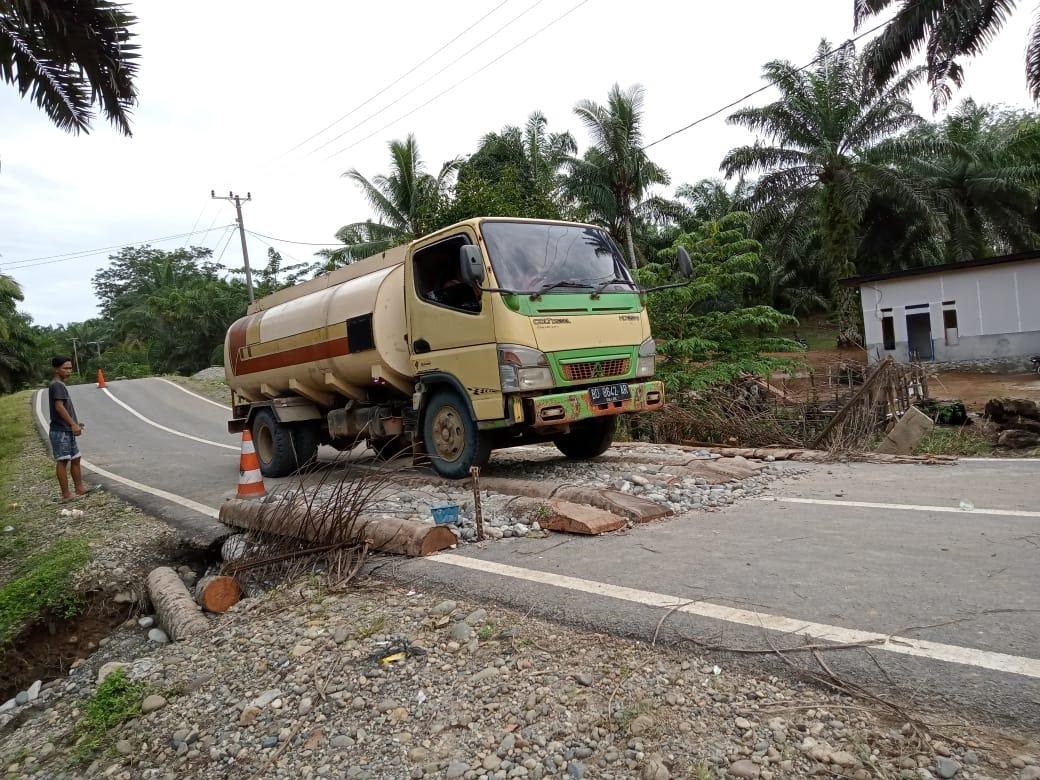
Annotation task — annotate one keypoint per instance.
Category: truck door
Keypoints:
(450, 326)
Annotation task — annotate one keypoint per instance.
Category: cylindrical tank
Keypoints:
(339, 338)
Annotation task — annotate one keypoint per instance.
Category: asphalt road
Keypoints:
(945, 582)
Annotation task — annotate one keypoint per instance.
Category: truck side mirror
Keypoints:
(471, 265)
(685, 263)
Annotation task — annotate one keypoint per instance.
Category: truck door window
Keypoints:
(438, 278)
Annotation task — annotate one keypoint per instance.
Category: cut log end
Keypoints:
(177, 611)
(217, 593)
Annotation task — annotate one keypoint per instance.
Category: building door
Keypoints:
(919, 336)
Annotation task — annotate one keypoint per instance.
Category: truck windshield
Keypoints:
(541, 257)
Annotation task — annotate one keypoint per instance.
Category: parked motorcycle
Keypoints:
(1035, 360)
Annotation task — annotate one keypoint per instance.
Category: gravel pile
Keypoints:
(213, 373)
(382, 683)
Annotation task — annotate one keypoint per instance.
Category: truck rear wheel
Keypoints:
(453, 441)
(587, 438)
(282, 449)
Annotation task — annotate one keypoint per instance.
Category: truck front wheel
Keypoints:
(452, 439)
(281, 449)
(587, 438)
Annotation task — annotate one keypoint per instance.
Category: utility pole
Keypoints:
(98, 345)
(231, 197)
(75, 354)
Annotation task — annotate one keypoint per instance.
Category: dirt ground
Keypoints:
(976, 389)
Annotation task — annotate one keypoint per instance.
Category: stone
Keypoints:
(248, 716)
(744, 769)
(34, 690)
(443, 609)
(640, 725)
(492, 762)
(418, 754)
(266, 697)
(158, 636)
(1030, 773)
(461, 632)
(342, 741)
(146, 622)
(655, 769)
(21, 698)
(946, 767)
(152, 703)
(907, 433)
(340, 635)
(269, 741)
(8, 705)
(844, 759)
(124, 748)
(583, 678)
(107, 669)
(476, 617)
(123, 597)
(742, 723)
(456, 769)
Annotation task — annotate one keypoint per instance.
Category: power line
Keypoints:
(287, 241)
(466, 53)
(32, 262)
(396, 81)
(276, 249)
(772, 83)
(459, 83)
(230, 235)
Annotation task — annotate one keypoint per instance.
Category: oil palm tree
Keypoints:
(70, 55)
(405, 202)
(983, 180)
(947, 31)
(827, 147)
(614, 177)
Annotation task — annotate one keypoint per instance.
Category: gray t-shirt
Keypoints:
(58, 392)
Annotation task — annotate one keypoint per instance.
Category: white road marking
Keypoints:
(140, 416)
(911, 507)
(1001, 461)
(183, 389)
(181, 500)
(1000, 662)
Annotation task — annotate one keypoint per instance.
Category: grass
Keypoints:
(115, 701)
(961, 441)
(35, 577)
(376, 626)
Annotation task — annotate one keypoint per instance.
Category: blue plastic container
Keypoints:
(445, 515)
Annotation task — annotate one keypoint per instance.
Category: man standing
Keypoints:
(64, 429)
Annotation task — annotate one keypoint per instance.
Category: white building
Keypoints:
(973, 311)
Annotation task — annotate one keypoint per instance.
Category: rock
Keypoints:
(123, 597)
(456, 769)
(492, 762)
(655, 769)
(340, 635)
(152, 703)
(124, 748)
(583, 678)
(248, 716)
(641, 725)
(107, 669)
(946, 767)
(744, 769)
(970, 757)
(342, 741)
(476, 617)
(444, 608)
(575, 770)
(742, 723)
(266, 697)
(146, 622)
(8, 705)
(1016, 439)
(21, 698)
(1030, 773)
(34, 690)
(844, 759)
(269, 741)
(158, 636)
(461, 632)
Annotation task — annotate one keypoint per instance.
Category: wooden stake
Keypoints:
(474, 471)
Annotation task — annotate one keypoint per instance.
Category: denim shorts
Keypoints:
(63, 445)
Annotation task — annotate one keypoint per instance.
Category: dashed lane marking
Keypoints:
(909, 507)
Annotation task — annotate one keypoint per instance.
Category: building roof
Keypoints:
(1033, 254)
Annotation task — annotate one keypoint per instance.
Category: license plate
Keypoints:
(606, 394)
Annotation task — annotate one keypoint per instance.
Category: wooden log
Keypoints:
(217, 593)
(177, 611)
(399, 536)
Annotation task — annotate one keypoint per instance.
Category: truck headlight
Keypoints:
(647, 362)
(523, 368)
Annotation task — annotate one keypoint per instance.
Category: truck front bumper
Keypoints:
(576, 405)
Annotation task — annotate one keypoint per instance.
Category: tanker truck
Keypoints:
(491, 333)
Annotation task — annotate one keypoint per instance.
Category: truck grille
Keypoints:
(595, 369)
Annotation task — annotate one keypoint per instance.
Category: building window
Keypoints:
(888, 332)
(950, 326)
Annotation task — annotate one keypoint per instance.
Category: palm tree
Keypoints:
(828, 150)
(947, 30)
(613, 178)
(983, 180)
(405, 202)
(10, 293)
(69, 55)
(536, 153)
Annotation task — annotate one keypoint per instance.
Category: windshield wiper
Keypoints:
(553, 285)
(604, 285)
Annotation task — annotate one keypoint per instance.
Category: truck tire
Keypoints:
(306, 436)
(274, 447)
(452, 439)
(587, 438)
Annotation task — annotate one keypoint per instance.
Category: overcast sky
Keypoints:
(228, 89)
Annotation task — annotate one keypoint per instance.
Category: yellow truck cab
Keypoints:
(490, 333)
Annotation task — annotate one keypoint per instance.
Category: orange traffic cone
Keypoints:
(250, 480)
(100, 379)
